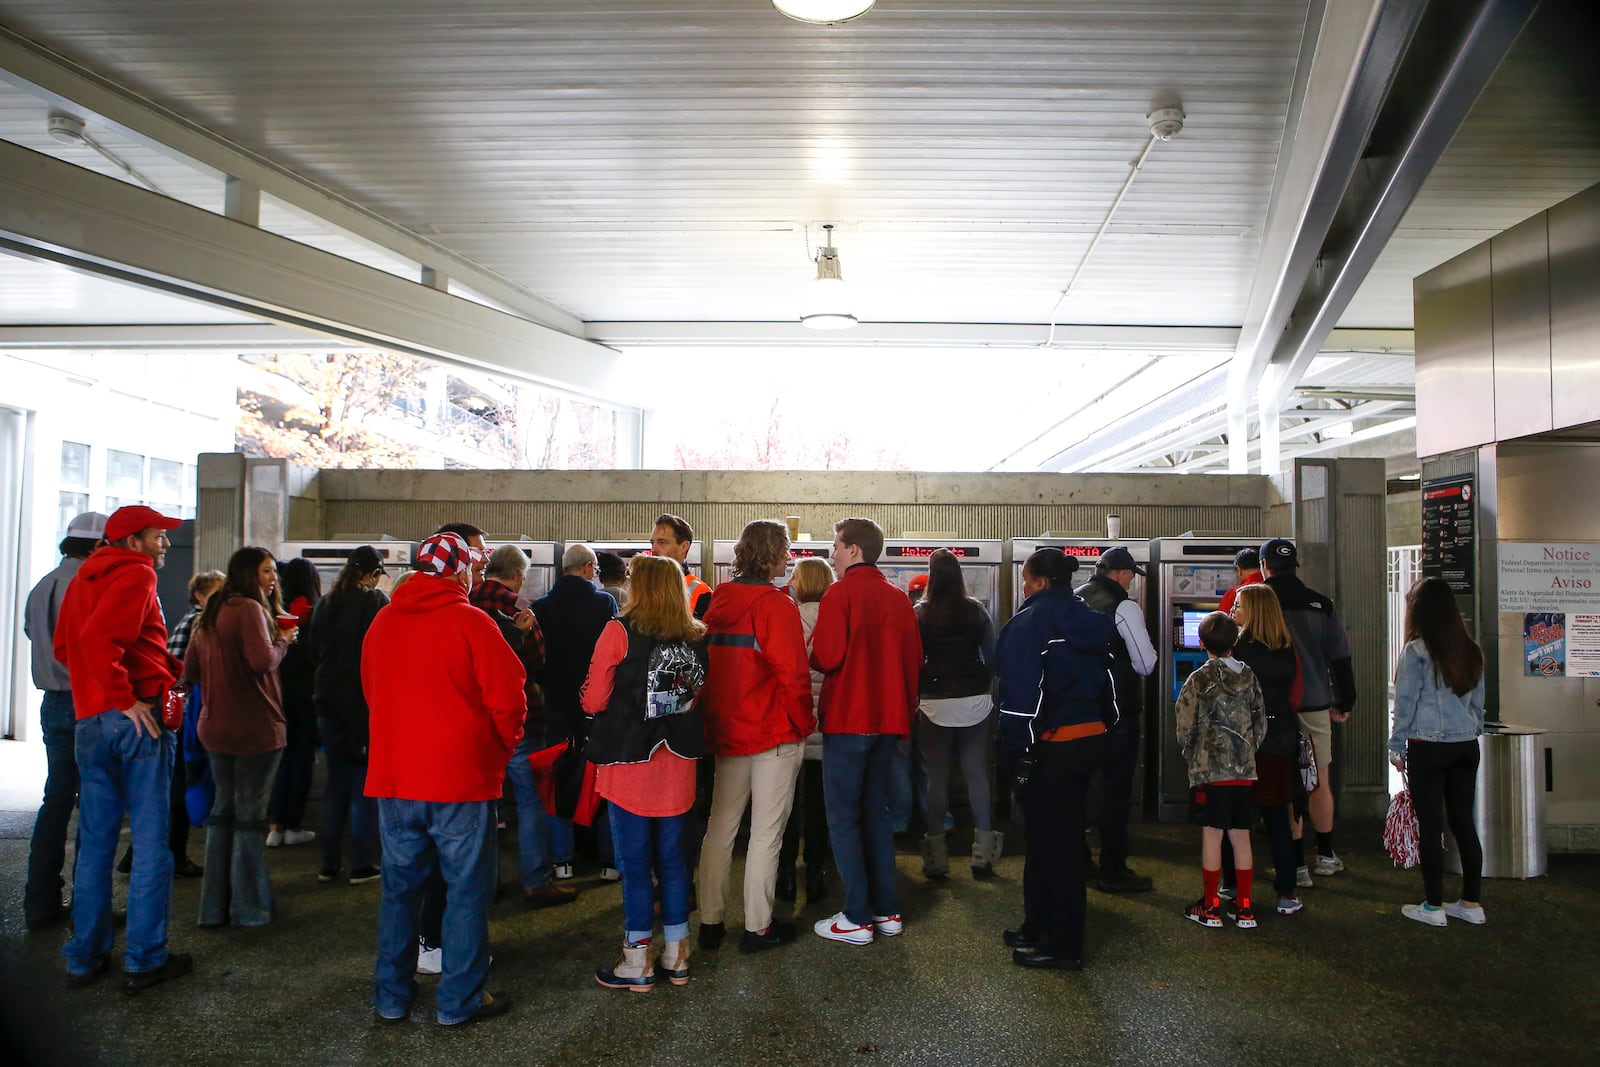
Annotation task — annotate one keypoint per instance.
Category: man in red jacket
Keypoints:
(113, 641)
(447, 706)
(868, 647)
(757, 707)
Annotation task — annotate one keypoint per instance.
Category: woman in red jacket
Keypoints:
(234, 654)
(757, 703)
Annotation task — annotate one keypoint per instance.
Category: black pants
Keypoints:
(292, 787)
(178, 832)
(1052, 875)
(808, 819)
(1444, 777)
(1117, 767)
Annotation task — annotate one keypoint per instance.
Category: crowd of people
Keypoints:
(665, 715)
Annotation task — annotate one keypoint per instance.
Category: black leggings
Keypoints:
(1444, 775)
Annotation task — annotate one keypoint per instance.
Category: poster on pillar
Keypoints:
(1555, 587)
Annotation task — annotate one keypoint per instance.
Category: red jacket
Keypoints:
(1250, 578)
(869, 650)
(757, 694)
(111, 635)
(446, 694)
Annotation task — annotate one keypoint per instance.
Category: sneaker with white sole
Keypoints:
(1423, 913)
(1302, 878)
(887, 925)
(430, 960)
(838, 927)
(274, 838)
(1203, 914)
(1327, 866)
(1244, 918)
(1457, 910)
(299, 837)
(563, 871)
(1289, 905)
(610, 874)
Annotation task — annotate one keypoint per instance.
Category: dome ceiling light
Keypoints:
(823, 12)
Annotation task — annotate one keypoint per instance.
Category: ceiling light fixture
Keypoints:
(823, 12)
(827, 298)
(71, 130)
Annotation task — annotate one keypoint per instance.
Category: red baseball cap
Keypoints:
(126, 521)
(918, 582)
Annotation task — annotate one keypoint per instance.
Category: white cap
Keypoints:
(91, 525)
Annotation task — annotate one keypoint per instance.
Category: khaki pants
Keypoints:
(765, 781)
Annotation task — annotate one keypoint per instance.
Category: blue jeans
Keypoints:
(900, 787)
(533, 831)
(344, 798)
(121, 770)
(459, 840)
(856, 770)
(647, 845)
(48, 852)
(236, 887)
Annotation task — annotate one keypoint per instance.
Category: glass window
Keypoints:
(74, 465)
(72, 505)
(125, 475)
(115, 502)
(166, 481)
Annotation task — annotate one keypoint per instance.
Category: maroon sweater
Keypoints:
(236, 663)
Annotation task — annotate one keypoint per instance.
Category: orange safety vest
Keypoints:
(694, 588)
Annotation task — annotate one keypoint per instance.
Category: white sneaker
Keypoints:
(1457, 910)
(1424, 914)
(274, 838)
(839, 928)
(429, 960)
(1302, 878)
(1328, 866)
(887, 925)
(610, 874)
(299, 837)
(563, 871)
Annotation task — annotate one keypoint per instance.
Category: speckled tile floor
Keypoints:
(1345, 982)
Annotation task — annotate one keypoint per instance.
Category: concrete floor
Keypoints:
(1345, 982)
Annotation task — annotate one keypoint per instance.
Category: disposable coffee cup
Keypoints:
(1113, 526)
(794, 527)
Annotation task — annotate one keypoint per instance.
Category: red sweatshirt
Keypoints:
(446, 694)
(757, 694)
(868, 646)
(111, 635)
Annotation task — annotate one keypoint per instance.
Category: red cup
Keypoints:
(288, 622)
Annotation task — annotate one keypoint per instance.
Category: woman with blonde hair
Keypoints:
(642, 689)
(758, 713)
(1267, 649)
(807, 816)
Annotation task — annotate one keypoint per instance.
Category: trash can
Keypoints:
(1510, 808)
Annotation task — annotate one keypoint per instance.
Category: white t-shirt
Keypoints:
(957, 711)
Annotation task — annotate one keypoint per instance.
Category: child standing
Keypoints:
(1221, 722)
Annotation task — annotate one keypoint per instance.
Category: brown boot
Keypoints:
(675, 961)
(634, 971)
(549, 895)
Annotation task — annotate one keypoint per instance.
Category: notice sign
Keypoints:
(1539, 576)
(1448, 537)
(1557, 645)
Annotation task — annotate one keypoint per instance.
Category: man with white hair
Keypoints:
(446, 700)
(571, 617)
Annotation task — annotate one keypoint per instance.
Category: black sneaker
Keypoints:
(1124, 881)
(494, 1004)
(711, 935)
(328, 874)
(773, 936)
(176, 965)
(363, 875)
(89, 977)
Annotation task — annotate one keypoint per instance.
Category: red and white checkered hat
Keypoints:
(444, 554)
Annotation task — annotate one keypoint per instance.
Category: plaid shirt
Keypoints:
(500, 602)
(178, 639)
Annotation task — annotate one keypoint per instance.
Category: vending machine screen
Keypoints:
(1191, 628)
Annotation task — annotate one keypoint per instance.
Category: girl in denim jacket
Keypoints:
(1438, 715)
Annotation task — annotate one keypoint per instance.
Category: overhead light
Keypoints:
(67, 129)
(827, 298)
(823, 12)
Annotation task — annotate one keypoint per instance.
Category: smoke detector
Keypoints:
(68, 129)
(1166, 122)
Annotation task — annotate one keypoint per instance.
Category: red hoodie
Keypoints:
(111, 635)
(868, 646)
(757, 694)
(446, 696)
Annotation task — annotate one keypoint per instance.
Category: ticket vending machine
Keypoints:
(329, 558)
(904, 559)
(1086, 550)
(1188, 576)
(544, 563)
(722, 557)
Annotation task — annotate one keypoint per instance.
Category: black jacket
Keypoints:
(1103, 595)
(957, 646)
(338, 627)
(571, 617)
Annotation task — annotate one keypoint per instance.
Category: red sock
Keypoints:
(1209, 880)
(1244, 876)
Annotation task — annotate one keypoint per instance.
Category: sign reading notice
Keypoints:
(1537, 576)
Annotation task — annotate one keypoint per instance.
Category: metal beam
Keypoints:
(233, 336)
(64, 214)
(1155, 340)
(53, 78)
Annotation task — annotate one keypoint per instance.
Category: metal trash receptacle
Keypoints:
(1510, 806)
